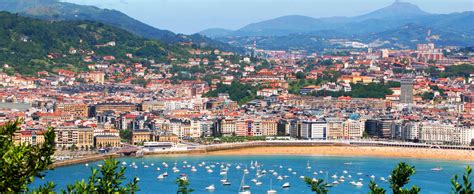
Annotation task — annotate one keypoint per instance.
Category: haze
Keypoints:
(191, 16)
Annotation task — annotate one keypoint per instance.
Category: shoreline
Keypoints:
(317, 150)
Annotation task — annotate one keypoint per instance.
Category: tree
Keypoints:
(466, 186)
(110, 180)
(300, 75)
(125, 135)
(318, 186)
(400, 177)
(20, 164)
(183, 185)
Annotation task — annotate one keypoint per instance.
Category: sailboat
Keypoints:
(437, 169)
(308, 166)
(244, 189)
(271, 191)
(225, 181)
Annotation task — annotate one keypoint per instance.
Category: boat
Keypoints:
(334, 176)
(372, 176)
(254, 180)
(345, 171)
(210, 171)
(437, 169)
(275, 173)
(348, 163)
(87, 164)
(349, 176)
(359, 184)
(237, 167)
(243, 187)
(124, 163)
(335, 182)
(290, 169)
(223, 173)
(301, 177)
(160, 176)
(359, 173)
(193, 169)
(258, 183)
(165, 174)
(382, 178)
(271, 191)
(158, 169)
(293, 172)
(279, 178)
(308, 166)
(285, 185)
(146, 166)
(210, 188)
(320, 172)
(315, 173)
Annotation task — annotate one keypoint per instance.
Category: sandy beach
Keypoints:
(389, 152)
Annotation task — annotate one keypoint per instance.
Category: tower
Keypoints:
(406, 87)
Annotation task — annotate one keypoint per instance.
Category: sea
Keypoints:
(357, 169)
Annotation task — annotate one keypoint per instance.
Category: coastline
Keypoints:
(357, 151)
(320, 150)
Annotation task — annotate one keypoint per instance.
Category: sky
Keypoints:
(191, 16)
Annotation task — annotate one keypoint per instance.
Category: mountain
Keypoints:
(400, 21)
(216, 32)
(397, 10)
(282, 25)
(56, 10)
(31, 45)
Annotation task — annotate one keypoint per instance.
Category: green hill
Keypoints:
(31, 45)
(56, 10)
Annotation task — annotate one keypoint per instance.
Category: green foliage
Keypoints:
(20, 164)
(110, 180)
(400, 177)
(25, 44)
(242, 93)
(466, 186)
(463, 70)
(374, 189)
(427, 96)
(140, 81)
(183, 186)
(318, 186)
(125, 134)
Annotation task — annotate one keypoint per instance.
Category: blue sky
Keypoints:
(190, 16)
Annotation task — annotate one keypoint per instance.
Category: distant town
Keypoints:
(423, 95)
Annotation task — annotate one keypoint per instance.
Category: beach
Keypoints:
(359, 151)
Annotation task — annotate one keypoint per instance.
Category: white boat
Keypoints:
(246, 171)
(271, 191)
(160, 176)
(243, 187)
(210, 171)
(87, 164)
(437, 169)
(301, 177)
(237, 167)
(285, 185)
(280, 166)
(334, 176)
(345, 171)
(165, 174)
(290, 169)
(223, 173)
(158, 169)
(279, 178)
(193, 169)
(342, 177)
(308, 166)
(254, 180)
(210, 188)
(146, 166)
(359, 184)
(382, 178)
(226, 182)
(275, 173)
(335, 182)
(315, 173)
(152, 164)
(258, 183)
(124, 163)
(320, 172)
(285, 176)
(348, 163)
(174, 168)
(372, 176)
(293, 173)
(359, 173)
